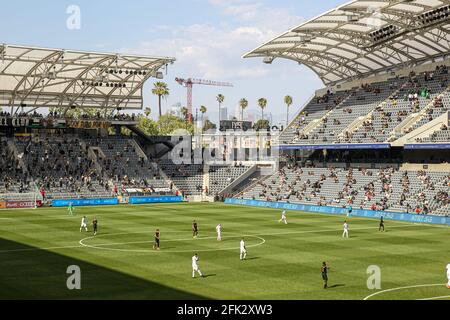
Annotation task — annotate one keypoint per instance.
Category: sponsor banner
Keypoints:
(15, 122)
(134, 190)
(343, 211)
(85, 202)
(427, 146)
(88, 124)
(334, 146)
(162, 189)
(147, 190)
(2, 205)
(161, 199)
(22, 204)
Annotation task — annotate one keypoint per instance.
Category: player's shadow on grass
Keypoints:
(30, 273)
(336, 286)
(209, 275)
(251, 258)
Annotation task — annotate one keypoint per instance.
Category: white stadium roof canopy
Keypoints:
(362, 38)
(40, 77)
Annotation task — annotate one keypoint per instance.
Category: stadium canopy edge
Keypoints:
(36, 77)
(362, 38)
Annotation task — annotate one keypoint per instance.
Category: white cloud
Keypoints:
(269, 19)
(214, 51)
(254, 72)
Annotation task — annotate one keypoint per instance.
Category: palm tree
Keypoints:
(243, 103)
(288, 102)
(161, 90)
(147, 112)
(203, 111)
(262, 102)
(220, 99)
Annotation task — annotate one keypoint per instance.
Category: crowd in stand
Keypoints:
(63, 165)
(123, 164)
(305, 184)
(61, 115)
(12, 177)
(443, 197)
(330, 99)
(412, 89)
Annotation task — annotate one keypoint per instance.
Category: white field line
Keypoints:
(435, 298)
(151, 241)
(402, 288)
(262, 241)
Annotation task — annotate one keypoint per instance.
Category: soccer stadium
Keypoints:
(346, 200)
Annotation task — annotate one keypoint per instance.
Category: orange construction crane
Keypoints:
(189, 84)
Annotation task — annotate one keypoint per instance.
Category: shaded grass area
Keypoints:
(29, 273)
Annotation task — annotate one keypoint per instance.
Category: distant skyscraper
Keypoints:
(237, 112)
(253, 115)
(223, 113)
(175, 109)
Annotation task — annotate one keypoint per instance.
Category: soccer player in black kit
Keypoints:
(381, 224)
(157, 237)
(194, 229)
(94, 224)
(324, 271)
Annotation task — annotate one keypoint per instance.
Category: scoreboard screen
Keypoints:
(235, 125)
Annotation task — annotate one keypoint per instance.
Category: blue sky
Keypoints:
(208, 38)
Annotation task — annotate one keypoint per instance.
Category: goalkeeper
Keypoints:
(71, 209)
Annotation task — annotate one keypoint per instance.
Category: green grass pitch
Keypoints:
(283, 262)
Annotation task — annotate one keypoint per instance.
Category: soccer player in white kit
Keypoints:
(195, 267)
(83, 224)
(448, 276)
(219, 232)
(345, 234)
(243, 253)
(283, 217)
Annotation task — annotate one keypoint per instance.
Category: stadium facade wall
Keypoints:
(427, 146)
(343, 211)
